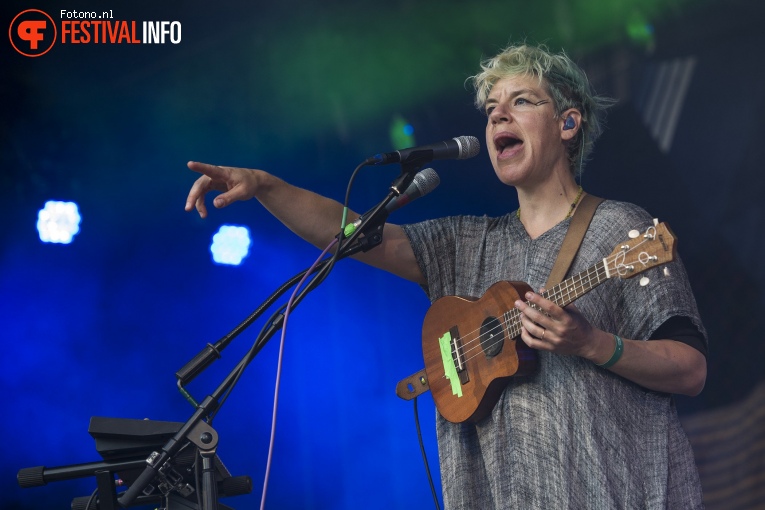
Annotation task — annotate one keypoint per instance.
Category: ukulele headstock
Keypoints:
(652, 248)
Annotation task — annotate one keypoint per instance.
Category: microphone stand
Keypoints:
(371, 227)
(196, 430)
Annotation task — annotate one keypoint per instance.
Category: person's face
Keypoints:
(523, 134)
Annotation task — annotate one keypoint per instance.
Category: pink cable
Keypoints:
(279, 372)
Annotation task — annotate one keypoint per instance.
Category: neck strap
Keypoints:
(580, 221)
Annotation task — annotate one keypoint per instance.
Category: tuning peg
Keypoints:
(666, 271)
(655, 222)
(644, 281)
(634, 234)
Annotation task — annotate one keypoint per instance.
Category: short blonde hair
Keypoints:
(562, 78)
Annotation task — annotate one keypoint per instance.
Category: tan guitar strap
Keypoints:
(417, 383)
(573, 240)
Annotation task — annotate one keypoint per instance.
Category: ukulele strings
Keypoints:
(512, 317)
(472, 341)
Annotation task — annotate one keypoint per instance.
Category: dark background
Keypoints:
(308, 90)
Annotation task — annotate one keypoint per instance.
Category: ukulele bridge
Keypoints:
(453, 358)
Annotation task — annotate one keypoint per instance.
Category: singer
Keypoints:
(595, 425)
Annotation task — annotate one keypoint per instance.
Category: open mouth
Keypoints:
(506, 143)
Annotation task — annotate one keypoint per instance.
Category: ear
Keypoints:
(570, 123)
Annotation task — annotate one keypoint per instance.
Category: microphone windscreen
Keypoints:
(469, 146)
(426, 181)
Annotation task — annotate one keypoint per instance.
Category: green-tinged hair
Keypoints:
(566, 83)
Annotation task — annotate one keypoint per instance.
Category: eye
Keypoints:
(489, 109)
(522, 101)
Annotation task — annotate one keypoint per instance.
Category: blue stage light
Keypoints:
(230, 245)
(58, 222)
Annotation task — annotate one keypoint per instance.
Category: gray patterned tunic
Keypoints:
(572, 436)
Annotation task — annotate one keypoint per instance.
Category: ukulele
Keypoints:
(472, 346)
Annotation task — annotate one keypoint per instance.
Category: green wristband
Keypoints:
(618, 350)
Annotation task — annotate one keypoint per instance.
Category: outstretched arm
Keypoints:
(313, 217)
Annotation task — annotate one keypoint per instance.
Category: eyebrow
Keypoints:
(514, 94)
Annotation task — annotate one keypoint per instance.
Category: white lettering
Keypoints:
(158, 32)
(151, 32)
(173, 38)
(165, 30)
(78, 14)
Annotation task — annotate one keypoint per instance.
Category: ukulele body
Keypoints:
(486, 354)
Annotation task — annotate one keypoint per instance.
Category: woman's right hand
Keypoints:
(234, 183)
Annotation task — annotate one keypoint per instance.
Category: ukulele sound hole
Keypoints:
(492, 336)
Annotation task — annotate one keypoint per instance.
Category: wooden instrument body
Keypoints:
(487, 374)
(472, 346)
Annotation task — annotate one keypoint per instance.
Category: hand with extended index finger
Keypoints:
(234, 183)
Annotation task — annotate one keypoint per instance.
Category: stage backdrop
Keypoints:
(98, 327)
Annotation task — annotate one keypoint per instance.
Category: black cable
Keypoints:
(325, 268)
(91, 499)
(246, 361)
(341, 238)
(424, 456)
(322, 271)
(213, 403)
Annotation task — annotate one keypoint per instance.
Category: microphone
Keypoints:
(424, 182)
(462, 147)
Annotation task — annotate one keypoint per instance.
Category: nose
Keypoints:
(499, 113)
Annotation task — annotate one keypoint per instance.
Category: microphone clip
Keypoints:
(371, 223)
(409, 169)
(366, 232)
